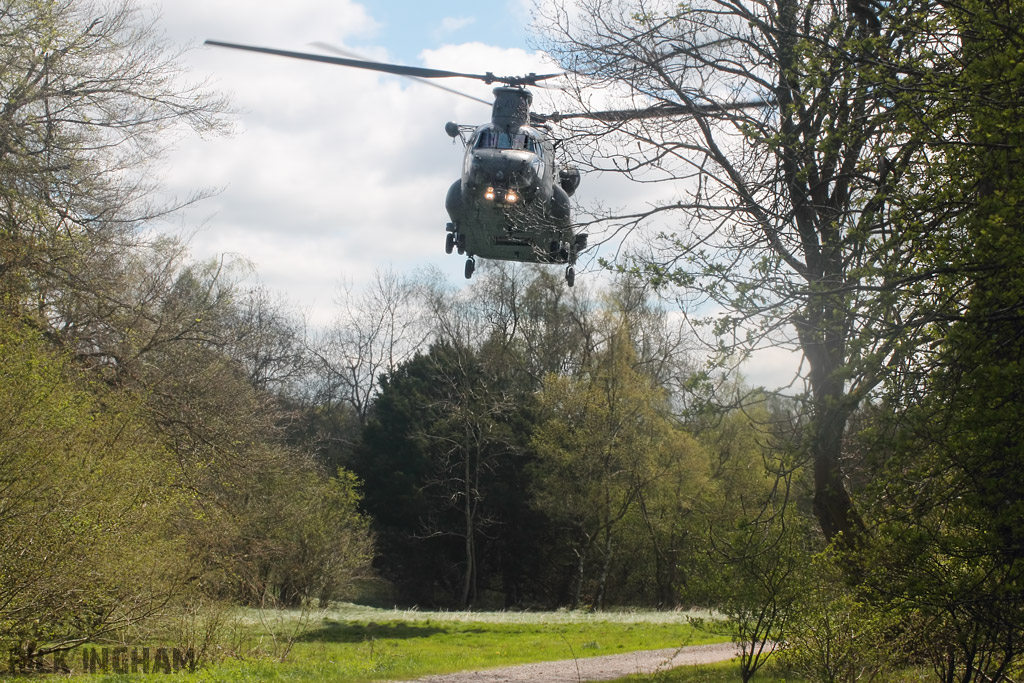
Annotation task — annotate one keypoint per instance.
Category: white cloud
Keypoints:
(333, 172)
(294, 22)
(451, 25)
(774, 368)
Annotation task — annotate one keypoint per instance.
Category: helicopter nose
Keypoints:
(509, 170)
(523, 176)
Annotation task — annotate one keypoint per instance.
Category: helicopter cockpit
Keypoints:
(489, 137)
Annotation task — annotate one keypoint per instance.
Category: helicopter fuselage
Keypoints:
(512, 202)
(507, 204)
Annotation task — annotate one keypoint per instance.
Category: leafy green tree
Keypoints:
(88, 493)
(391, 462)
(760, 555)
(538, 324)
(432, 455)
(205, 354)
(947, 497)
(270, 525)
(166, 429)
(836, 634)
(776, 129)
(605, 436)
(303, 538)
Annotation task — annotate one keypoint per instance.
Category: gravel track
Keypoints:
(604, 668)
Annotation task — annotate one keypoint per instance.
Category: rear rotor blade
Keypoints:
(398, 70)
(344, 53)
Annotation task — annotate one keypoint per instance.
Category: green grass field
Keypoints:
(351, 643)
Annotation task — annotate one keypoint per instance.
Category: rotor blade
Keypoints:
(345, 53)
(413, 71)
(656, 112)
(396, 69)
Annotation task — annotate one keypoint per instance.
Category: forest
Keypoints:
(174, 436)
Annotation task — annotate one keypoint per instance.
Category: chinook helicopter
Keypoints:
(512, 201)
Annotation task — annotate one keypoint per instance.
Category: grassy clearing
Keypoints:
(351, 643)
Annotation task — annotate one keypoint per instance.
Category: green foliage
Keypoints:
(762, 561)
(304, 539)
(610, 458)
(949, 442)
(88, 491)
(441, 455)
(836, 635)
(91, 97)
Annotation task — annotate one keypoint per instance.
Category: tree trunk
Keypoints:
(468, 583)
(606, 562)
(580, 566)
(823, 343)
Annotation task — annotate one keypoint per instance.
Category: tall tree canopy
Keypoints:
(786, 215)
(90, 96)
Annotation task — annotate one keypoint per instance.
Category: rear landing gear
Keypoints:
(449, 243)
(470, 267)
(570, 275)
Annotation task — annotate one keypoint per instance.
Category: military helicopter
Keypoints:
(512, 200)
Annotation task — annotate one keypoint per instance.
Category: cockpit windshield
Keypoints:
(489, 138)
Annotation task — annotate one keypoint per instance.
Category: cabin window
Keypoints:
(495, 139)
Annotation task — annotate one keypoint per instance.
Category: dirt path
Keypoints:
(593, 668)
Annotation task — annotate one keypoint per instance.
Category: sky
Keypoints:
(333, 173)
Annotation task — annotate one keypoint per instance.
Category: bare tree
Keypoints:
(92, 95)
(376, 329)
(773, 127)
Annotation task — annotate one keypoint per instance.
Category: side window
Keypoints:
(488, 139)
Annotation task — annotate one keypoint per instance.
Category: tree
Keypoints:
(92, 95)
(377, 329)
(301, 538)
(139, 396)
(948, 490)
(430, 455)
(604, 439)
(87, 497)
(537, 324)
(269, 341)
(783, 149)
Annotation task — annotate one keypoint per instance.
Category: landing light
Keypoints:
(511, 197)
(489, 194)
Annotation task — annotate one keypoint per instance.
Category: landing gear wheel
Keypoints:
(470, 267)
(570, 276)
(449, 243)
(460, 242)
